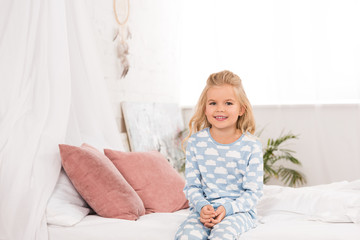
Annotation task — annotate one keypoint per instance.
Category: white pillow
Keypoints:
(65, 207)
(339, 202)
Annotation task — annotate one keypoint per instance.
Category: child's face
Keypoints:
(222, 107)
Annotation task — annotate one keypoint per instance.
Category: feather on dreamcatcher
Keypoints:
(122, 33)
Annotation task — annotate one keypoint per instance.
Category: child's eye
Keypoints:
(229, 103)
(212, 103)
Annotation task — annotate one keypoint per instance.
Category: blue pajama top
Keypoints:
(230, 175)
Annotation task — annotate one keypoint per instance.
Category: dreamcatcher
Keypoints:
(122, 33)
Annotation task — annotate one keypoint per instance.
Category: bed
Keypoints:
(330, 211)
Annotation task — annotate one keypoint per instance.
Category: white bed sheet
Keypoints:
(281, 226)
(155, 226)
(162, 226)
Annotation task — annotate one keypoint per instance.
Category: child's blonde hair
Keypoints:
(246, 123)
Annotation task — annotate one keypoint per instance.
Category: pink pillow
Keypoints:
(99, 182)
(158, 184)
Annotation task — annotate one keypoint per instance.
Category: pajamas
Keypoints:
(231, 227)
(228, 175)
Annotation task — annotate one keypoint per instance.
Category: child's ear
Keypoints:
(242, 111)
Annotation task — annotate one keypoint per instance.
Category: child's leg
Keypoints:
(192, 229)
(231, 227)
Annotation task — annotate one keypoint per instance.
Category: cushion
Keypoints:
(158, 184)
(100, 183)
(65, 207)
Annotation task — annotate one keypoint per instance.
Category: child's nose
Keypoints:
(220, 108)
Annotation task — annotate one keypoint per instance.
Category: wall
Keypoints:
(329, 137)
(154, 52)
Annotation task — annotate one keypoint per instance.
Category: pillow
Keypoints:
(158, 184)
(100, 183)
(325, 203)
(65, 207)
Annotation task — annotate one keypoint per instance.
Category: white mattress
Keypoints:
(162, 226)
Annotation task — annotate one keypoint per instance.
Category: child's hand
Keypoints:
(207, 214)
(209, 217)
(220, 213)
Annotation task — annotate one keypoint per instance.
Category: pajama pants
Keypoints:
(231, 227)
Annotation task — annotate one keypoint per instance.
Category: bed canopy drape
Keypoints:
(51, 91)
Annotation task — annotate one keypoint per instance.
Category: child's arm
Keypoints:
(252, 184)
(193, 188)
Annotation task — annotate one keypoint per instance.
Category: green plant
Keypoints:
(275, 156)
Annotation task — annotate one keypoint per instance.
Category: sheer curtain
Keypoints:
(286, 52)
(52, 91)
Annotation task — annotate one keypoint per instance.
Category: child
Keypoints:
(224, 164)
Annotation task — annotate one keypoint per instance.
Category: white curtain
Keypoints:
(51, 91)
(286, 52)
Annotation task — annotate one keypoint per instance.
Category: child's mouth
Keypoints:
(220, 118)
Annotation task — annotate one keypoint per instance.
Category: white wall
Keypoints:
(154, 52)
(329, 137)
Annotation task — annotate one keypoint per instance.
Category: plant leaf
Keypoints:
(291, 177)
(274, 155)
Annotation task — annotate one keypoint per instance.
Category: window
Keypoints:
(286, 52)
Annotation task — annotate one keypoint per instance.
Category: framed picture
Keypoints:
(155, 126)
